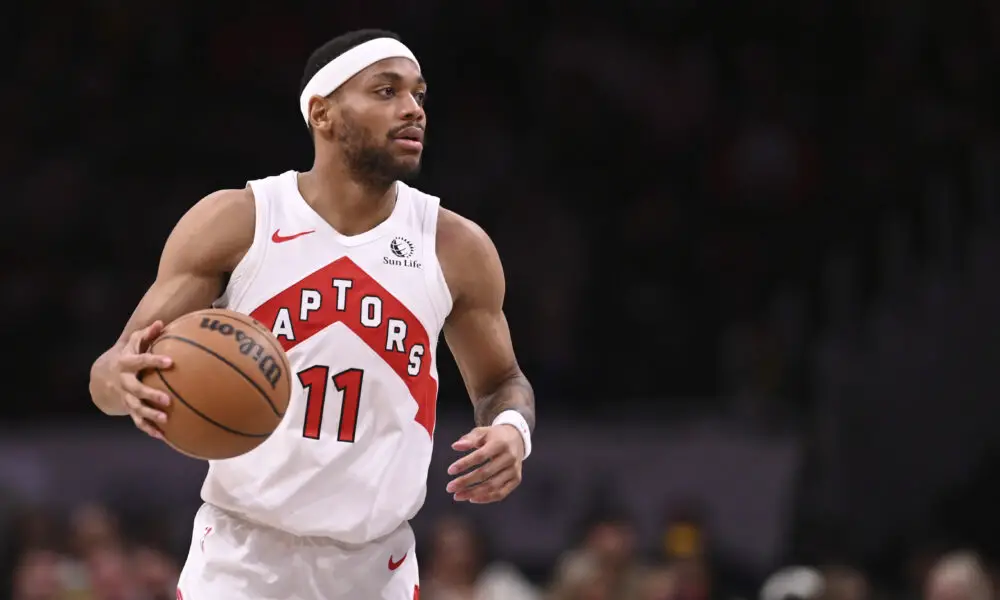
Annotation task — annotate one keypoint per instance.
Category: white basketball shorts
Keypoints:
(232, 559)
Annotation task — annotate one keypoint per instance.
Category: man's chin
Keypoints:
(407, 169)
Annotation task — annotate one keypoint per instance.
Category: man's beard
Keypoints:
(371, 163)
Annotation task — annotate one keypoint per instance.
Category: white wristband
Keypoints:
(514, 418)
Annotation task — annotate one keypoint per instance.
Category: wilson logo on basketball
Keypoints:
(269, 366)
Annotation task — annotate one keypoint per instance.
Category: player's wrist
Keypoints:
(101, 390)
(514, 419)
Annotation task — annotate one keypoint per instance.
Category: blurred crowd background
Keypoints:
(753, 264)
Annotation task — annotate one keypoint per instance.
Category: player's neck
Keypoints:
(348, 206)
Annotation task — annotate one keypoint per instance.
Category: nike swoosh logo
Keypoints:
(395, 565)
(277, 238)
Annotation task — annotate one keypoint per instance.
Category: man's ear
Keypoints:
(321, 113)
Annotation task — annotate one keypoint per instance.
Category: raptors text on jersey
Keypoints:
(342, 292)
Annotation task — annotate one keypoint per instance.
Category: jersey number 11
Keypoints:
(315, 380)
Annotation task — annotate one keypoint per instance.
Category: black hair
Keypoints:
(337, 46)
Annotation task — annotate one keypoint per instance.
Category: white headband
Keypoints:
(347, 65)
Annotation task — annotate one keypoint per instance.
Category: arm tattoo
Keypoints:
(513, 393)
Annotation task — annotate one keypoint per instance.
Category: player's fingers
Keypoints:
(486, 487)
(137, 362)
(147, 427)
(473, 459)
(151, 414)
(473, 478)
(142, 392)
(140, 338)
(131, 402)
(471, 440)
(139, 409)
(132, 345)
(135, 340)
(150, 333)
(495, 495)
(481, 474)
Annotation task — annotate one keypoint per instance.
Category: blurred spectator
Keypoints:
(845, 583)
(685, 549)
(156, 573)
(794, 583)
(37, 576)
(917, 564)
(89, 561)
(959, 576)
(457, 568)
(606, 560)
(93, 528)
(583, 579)
(112, 576)
(660, 583)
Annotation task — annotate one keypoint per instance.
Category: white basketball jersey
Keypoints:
(359, 317)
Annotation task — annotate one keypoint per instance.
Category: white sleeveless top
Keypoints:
(359, 317)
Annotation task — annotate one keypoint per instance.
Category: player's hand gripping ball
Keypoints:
(144, 404)
(228, 384)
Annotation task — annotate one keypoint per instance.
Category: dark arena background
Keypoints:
(753, 264)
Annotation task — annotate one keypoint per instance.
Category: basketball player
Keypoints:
(356, 273)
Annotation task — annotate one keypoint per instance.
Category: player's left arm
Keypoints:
(479, 338)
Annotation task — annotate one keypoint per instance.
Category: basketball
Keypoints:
(228, 385)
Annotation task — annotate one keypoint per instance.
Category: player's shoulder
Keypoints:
(226, 214)
(467, 255)
(218, 229)
(459, 234)
(226, 204)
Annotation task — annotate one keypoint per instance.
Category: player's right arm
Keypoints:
(206, 244)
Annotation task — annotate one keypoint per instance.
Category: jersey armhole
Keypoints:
(437, 285)
(249, 266)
